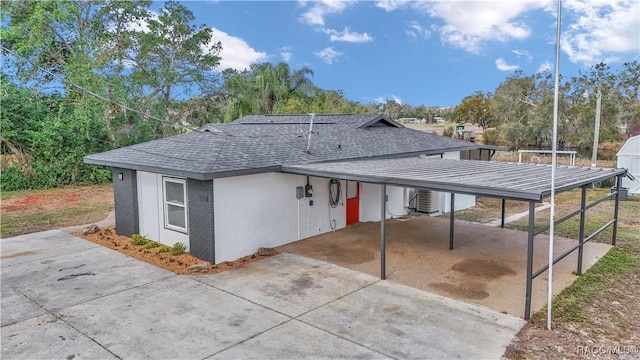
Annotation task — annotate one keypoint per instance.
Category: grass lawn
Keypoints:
(28, 211)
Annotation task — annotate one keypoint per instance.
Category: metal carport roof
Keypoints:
(523, 182)
(488, 178)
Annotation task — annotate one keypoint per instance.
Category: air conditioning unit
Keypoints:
(427, 201)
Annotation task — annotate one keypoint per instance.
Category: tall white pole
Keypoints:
(596, 131)
(554, 149)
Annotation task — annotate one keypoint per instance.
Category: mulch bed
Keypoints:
(178, 264)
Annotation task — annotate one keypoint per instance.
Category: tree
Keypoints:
(628, 83)
(475, 109)
(392, 109)
(512, 106)
(173, 58)
(265, 87)
(115, 65)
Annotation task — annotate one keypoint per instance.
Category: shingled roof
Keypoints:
(262, 143)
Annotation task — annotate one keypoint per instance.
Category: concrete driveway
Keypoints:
(67, 298)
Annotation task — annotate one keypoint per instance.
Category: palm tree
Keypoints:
(260, 89)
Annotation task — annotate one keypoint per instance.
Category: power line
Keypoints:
(129, 108)
(144, 115)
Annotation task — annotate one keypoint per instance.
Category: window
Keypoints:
(175, 204)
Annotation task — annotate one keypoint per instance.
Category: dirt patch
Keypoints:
(487, 269)
(39, 210)
(472, 290)
(176, 263)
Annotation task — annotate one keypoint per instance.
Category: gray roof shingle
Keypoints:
(259, 143)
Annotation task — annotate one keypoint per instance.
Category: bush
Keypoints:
(178, 248)
(151, 245)
(164, 249)
(491, 137)
(448, 132)
(49, 175)
(137, 239)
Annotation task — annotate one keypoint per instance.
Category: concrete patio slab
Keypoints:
(15, 306)
(62, 280)
(35, 246)
(45, 337)
(290, 284)
(486, 267)
(406, 323)
(176, 318)
(297, 340)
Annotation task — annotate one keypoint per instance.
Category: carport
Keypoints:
(507, 181)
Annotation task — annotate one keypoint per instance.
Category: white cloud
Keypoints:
(236, 53)
(502, 65)
(523, 54)
(316, 14)
(545, 66)
(603, 31)
(286, 54)
(347, 36)
(383, 99)
(416, 30)
(390, 5)
(328, 54)
(470, 24)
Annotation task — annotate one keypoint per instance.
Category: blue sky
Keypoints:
(421, 52)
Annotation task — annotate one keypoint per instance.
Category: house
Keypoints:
(222, 190)
(629, 158)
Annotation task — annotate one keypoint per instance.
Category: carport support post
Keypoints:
(451, 220)
(583, 203)
(383, 247)
(532, 223)
(504, 203)
(614, 236)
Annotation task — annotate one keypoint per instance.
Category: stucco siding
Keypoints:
(261, 210)
(151, 211)
(370, 199)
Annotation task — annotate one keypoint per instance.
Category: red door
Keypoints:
(353, 202)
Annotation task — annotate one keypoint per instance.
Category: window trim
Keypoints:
(165, 204)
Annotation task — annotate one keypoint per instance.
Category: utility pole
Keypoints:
(596, 131)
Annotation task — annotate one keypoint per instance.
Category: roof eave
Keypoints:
(181, 173)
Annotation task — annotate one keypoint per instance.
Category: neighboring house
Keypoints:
(221, 189)
(629, 158)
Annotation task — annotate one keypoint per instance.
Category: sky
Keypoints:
(430, 53)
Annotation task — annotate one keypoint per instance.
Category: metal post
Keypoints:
(532, 223)
(383, 248)
(583, 203)
(596, 131)
(614, 237)
(451, 220)
(504, 203)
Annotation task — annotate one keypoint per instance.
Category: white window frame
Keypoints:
(166, 204)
